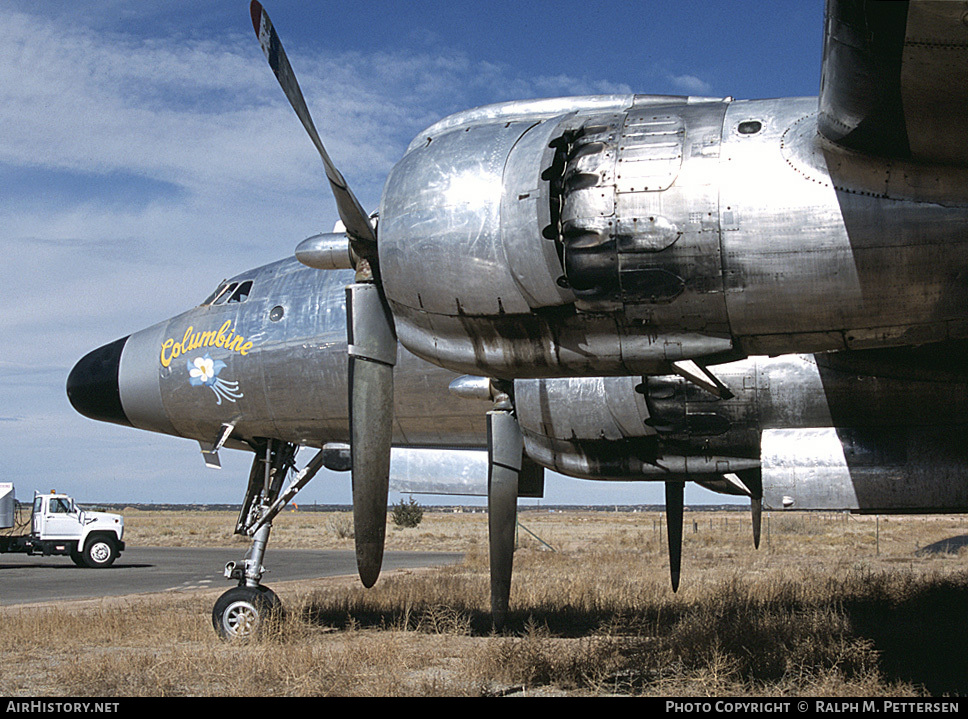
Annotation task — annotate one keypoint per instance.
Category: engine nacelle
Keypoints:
(618, 234)
(559, 237)
(875, 431)
(611, 428)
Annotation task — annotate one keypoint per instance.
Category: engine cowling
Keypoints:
(621, 428)
(616, 235)
(540, 239)
(874, 431)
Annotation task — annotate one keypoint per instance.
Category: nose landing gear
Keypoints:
(242, 612)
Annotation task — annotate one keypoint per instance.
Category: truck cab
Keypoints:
(59, 526)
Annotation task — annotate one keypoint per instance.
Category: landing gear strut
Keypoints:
(241, 612)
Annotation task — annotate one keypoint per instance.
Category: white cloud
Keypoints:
(690, 84)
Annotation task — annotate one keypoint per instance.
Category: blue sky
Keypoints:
(146, 152)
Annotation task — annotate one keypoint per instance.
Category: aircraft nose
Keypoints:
(92, 386)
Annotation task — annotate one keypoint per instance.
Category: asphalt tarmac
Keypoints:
(29, 580)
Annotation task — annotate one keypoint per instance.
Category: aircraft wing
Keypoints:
(417, 470)
(460, 472)
(895, 79)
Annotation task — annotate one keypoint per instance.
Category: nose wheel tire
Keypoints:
(241, 612)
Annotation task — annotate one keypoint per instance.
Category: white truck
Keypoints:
(58, 526)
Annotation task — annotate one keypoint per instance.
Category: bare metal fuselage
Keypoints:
(291, 381)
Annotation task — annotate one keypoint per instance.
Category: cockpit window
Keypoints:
(229, 292)
(226, 292)
(242, 292)
(223, 285)
(208, 300)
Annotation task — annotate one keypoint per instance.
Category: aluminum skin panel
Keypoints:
(547, 344)
(894, 80)
(138, 381)
(525, 210)
(479, 288)
(605, 428)
(440, 225)
(672, 228)
(822, 251)
(640, 219)
(278, 369)
(433, 471)
(912, 469)
(543, 109)
(605, 408)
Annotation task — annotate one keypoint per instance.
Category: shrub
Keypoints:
(407, 514)
(342, 526)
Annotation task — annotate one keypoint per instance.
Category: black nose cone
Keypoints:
(92, 386)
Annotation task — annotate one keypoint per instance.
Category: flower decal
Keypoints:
(203, 371)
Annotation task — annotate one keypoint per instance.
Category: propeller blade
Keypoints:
(674, 502)
(753, 479)
(756, 506)
(372, 349)
(505, 450)
(355, 219)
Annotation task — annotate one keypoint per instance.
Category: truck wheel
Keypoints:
(100, 552)
(241, 612)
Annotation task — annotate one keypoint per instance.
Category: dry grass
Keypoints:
(439, 531)
(828, 606)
